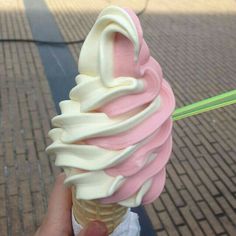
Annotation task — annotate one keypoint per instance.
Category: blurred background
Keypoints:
(194, 42)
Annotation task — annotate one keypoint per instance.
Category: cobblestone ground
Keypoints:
(195, 44)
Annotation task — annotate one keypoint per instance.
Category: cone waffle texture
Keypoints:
(88, 210)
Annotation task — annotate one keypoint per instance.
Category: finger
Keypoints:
(94, 228)
(60, 201)
(58, 218)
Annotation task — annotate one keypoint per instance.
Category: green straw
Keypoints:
(208, 104)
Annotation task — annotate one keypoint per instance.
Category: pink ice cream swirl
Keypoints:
(137, 169)
(142, 174)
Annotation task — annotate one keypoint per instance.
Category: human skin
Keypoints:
(57, 221)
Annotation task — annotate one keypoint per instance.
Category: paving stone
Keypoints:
(178, 153)
(48, 184)
(158, 205)
(191, 204)
(230, 212)
(211, 218)
(223, 165)
(3, 226)
(224, 143)
(191, 222)
(3, 207)
(2, 191)
(35, 119)
(191, 159)
(28, 132)
(177, 166)
(2, 175)
(192, 190)
(174, 193)
(184, 230)
(232, 156)
(178, 130)
(23, 167)
(209, 158)
(206, 181)
(169, 205)
(215, 207)
(26, 196)
(191, 173)
(173, 175)
(44, 164)
(35, 181)
(205, 135)
(179, 142)
(12, 182)
(208, 170)
(39, 139)
(222, 153)
(9, 149)
(230, 229)
(38, 207)
(168, 224)
(206, 227)
(1, 150)
(162, 233)
(157, 225)
(16, 227)
(28, 222)
(227, 181)
(191, 147)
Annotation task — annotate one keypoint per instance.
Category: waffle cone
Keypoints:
(89, 210)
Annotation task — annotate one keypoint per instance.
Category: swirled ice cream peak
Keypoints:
(113, 137)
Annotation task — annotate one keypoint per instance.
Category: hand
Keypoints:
(57, 221)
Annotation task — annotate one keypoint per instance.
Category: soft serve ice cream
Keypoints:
(113, 137)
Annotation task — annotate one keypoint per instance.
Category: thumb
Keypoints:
(94, 228)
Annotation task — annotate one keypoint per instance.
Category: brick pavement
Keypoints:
(195, 44)
(26, 173)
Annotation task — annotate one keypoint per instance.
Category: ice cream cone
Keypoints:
(88, 210)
